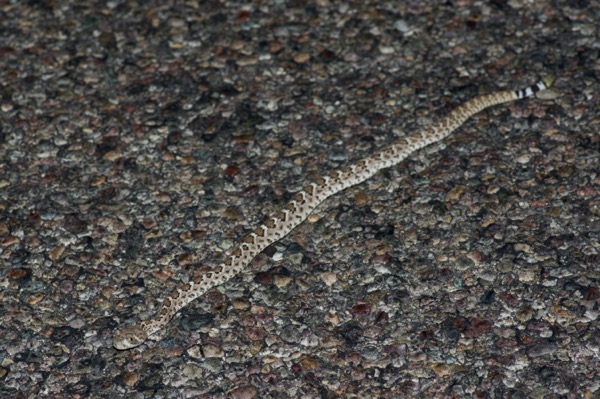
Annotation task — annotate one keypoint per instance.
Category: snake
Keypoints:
(302, 205)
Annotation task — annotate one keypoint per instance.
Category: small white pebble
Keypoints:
(386, 50)
(547, 94)
(401, 25)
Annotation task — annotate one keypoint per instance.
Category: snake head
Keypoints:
(129, 337)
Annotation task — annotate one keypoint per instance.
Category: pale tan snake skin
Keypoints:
(303, 203)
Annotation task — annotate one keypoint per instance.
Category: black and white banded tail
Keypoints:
(543, 84)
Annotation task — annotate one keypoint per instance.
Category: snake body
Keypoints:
(303, 203)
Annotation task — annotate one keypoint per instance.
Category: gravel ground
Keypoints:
(140, 140)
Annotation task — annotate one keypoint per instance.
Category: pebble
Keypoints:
(130, 378)
(244, 392)
(301, 58)
(328, 278)
(213, 351)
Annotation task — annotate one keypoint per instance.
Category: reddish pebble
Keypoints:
(360, 309)
(232, 171)
(242, 16)
(477, 327)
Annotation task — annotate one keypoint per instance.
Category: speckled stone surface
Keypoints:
(140, 140)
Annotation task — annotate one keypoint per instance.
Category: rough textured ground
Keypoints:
(140, 140)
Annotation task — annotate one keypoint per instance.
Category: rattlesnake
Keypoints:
(303, 203)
